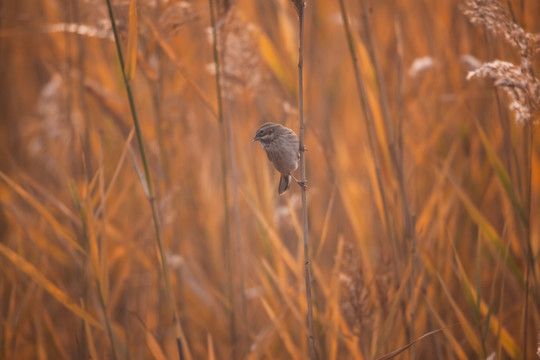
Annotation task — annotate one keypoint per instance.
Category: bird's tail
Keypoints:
(284, 183)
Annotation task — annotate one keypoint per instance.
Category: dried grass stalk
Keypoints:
(519, 82)
(522, 88)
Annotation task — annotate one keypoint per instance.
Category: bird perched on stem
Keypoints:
(282, 148)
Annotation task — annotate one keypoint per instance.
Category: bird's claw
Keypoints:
(302, 183)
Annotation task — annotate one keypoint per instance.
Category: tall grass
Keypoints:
(423, 186)
(127, 69)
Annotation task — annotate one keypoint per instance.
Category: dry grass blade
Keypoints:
(402, 349)
(501, 172)
(153, 345)
(211, 351)
(116, 173)
(470, 333)
(374, 129)
(88, 216)
(133, 35)
(334, 303)
(36, 275)
(272, 58)
(489, 231)
(56, 251)
(43, 211)
(394, 310)
(40, 343)
(453, 343)
(289, 300)
(287, 30)
(151, 341)
(169, 51)
(507, 342)
(294, 352)
(101, 278)
(326, 223)
(43, 191)
(274, 237)
(46, 317)
(89, 337)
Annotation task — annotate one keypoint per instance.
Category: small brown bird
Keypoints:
(282, 148)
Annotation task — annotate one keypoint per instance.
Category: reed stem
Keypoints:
(369, 122)
(149, 189)
(311, 339)
(234, 253)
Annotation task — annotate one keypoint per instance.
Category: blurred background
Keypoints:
(422, 202)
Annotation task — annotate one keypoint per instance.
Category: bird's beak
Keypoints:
(256, 138)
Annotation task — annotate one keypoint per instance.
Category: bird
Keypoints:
(282, 148)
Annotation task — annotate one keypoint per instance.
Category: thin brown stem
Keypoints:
(412, 283)
(528, 147)
(149, 189)
(234, 333)
(311, 339)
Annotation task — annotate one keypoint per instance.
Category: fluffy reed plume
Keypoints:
(519, 82)
(354, 304)
(242, 64)
(363, 295)
(522, 87)
(52, 110)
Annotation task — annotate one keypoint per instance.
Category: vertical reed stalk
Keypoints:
(158, 105)
(368, 118)
(106, 316)
(81, 56)
(528, 146)
(84, 210)
(158, 93)
(102, 274)
(397, 158)
(412, 283)
(237, 255)
(300, 6)
(223, 150)
(149, 189)
(86, 149)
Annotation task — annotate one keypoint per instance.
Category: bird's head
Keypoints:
(266, 132)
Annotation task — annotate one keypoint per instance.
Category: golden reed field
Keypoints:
(138, 219)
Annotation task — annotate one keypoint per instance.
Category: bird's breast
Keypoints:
(285, 159)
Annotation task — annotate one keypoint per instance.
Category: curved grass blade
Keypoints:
(502, 174)
(43, 211)
(507, 342)
(470, 333)
(131, 53)
(37, 276)
(489, 231)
